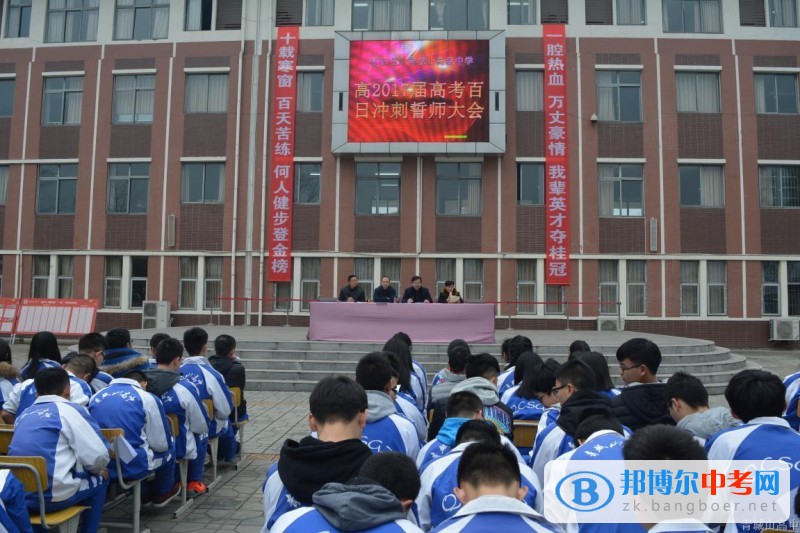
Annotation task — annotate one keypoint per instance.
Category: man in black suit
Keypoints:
(416, 293)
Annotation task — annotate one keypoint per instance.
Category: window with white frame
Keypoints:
(187, 283)
(3, 184)
(445, 270)
(521, 12)
(70, 21)
(619, 95)
(530, 183)
(57, 188)
(282, 296)
(793, 287)
(7, 97)
(377, 188)
(112, 287)
(701, 186)
(692, 16)
(202, 183)
(554, 299)
(41, 276)
(631, 12)
(128, 186)
(133, 98)
(206, 93)
(309, 281)
(458, 189)
(776, 94)
(770, 288)
(473, 280)
(782, 13)
(212, 284)
(690, 287)
(458, 15)
(307, 183)
(779, 186)
(309, 92)
(64, 276)
(637, 286)
(390, 266)
(621, 190)
(62, 100)
(530, 90)
(19, 18)
(141, 19)
(199, 15)
(609, 286)
(526, 286)
(319, 12)
(364, 268)
(381, 15)
(717, 278)
(698, 92)
(138, 284)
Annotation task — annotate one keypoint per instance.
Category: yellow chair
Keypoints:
(525, 433)
(183, 468)
(6, 434)
(32, 472)
(214, 445)
(112, 435)
(236, 397)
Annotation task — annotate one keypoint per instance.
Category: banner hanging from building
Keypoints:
(557, 238)
(281, 182)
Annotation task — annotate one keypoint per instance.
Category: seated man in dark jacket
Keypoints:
(384, 293)
(416, 293)
(642, 401)
(352, 292)
(227, 363)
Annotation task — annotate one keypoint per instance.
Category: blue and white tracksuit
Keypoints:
(495, 513)
(24, 394)
(13, 510)
(387, 431)
(792, 384)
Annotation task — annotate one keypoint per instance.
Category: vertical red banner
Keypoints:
(556, 182)
(281, 183)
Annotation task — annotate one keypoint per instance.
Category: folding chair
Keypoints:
(214, 445)
(32, 472)
(6, 434)
(183, 468)
(236, 396)
(112, 435)
(525, 433)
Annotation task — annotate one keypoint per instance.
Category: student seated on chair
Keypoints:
(180, 398)
(9, 375)
(125, 404)
(226, 362)
(94, 345)
(14, 514)
(120, 357)
(70, 441)
(154, 340)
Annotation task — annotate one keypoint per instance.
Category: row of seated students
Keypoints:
(581, 416)
(58, 411)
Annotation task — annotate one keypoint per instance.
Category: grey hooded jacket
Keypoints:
(357, 507)
(708, 422)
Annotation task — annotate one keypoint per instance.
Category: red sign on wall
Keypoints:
(557, 269)
(281, 183)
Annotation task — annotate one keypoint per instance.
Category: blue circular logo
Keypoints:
(584, 491)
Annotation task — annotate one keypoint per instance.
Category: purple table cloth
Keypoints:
(377, 322)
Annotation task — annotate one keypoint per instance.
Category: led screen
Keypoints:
(418, 91)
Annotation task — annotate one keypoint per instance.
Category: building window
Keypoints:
(128, 185)
(364, 268)
(229, 14)
(599, 12)
(70, 21)
(319, 12)
(521, 12)
(631, 12)
(459, 15)
(526, 286)
(62, 100)
(206, 93)
(702, 186)
(309, 281)
(554, 299)
(309, 92)
(770, 288)
(609, 287)
(133, 99)
(637, 287)
(202, 183)
(41, 276)
(377, 188)
(3, 184)
(554, 12)
(141, 19)
(779, 186)
(776, 94)
(187, 284)
(793, 282)
(620, 190)
(473, 280)
(6, 97)
(64, 276)
(717, 274)
(690, 287)
(458, 189)
(530, 183)
(282, 296)
(445, 270)
(390, 266)
(698, 92)
(307, 183)
(212, 287)
(619, 95)
(529, 90)
(19, 18)
(57, 185)
(782, 13)
(381, 15)
(198, 15)
(112, 291)
(138, 282)
(692, 16)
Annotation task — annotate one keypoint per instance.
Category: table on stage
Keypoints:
(377, 322)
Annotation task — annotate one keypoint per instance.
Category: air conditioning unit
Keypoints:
(155, 314)
(784, 330)
(610, 324)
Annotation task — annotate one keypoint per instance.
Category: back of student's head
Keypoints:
(81, 365)
(755, 393)
(400, 371)
(158, 337)
(44, 345)
(488, 464)
(597, 362)
(594, 423)
(482, 365)
(686, 387)
(526, 363)
(518, 345)
(393, 471)
(224, 345)
(640, 352)
(539, 382)
(51, 381)
(398, 347)
(578, 374)
(662, 443)
(578, 346)
(457, 342)
(118, 338)
(91, 343)
(168, 350)
(374, 371)
(457, 358)
(5, 352)
(463, 404)
(136, 375)
(337, 399)
(194, 339)
(477, 431)
(404, 337)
